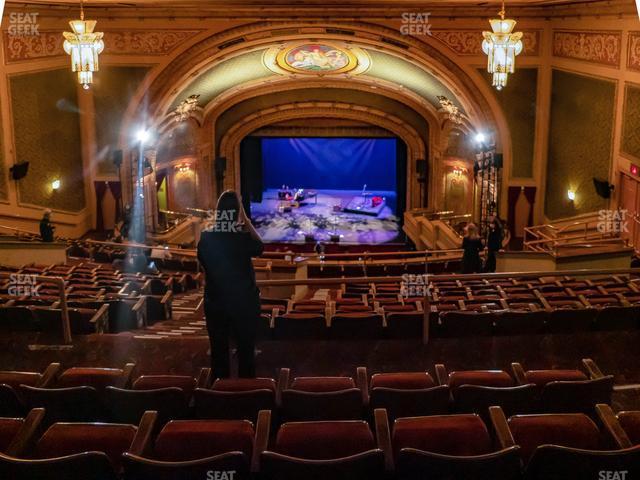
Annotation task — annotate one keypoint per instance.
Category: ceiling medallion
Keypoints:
(316, 58)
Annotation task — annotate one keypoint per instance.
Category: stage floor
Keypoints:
(316, 217)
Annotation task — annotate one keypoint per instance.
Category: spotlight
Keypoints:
(55, 185)
(143, 135)
(571, 195)
(480, 137)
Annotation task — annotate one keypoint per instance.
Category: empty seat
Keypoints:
(356, 325)
(300, 325)
(98, 378)
(329, 449)
(466, 323)
(630, 422)
(512, 322)
(11, 403)
(241, 398)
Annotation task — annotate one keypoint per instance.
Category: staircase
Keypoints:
(187, 320)
(432, 231)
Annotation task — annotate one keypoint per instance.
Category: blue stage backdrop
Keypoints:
(330, 163)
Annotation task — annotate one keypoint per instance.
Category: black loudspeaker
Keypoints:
(603, 188)
(220, 166)
(117, 158)
(19, 170)
(421, 168)
(498, 160)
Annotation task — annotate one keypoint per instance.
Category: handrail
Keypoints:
(19, 230)
(473, 276)
(59, 282)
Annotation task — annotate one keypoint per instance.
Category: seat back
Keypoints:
(459, 324)
(571, 320)
(89, 466)
(9, 428)
(630, 422)
(300, 325)
(10, 403)
(337, 405)
(128, 406)
(478, 399)
(579, 396)
(356, 325)
(239, 405)
(98, 378)
(140, 468)
(410, 403)
(407, 324)
(78, 404)
(618, 318)
(519, 322)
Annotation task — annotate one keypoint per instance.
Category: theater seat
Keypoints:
(11, 402)
(300, 326)
(356, 325)
(630, 422)
(152, 382)
(325, 449)
(450, 446)
(98, 378)
(238, 398)
(543, 377)
(485, 378)
(128, 406)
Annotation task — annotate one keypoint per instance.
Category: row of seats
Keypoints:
(382, 268)
(92, 394)
(442, 447)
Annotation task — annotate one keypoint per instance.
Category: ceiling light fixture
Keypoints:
(502, 46)
(84, 46)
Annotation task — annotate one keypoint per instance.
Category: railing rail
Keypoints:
(19, 230)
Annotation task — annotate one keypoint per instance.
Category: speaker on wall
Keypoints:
(497, 160)
(603, 188)
(117, 158)
(220, 165)
(19, 170)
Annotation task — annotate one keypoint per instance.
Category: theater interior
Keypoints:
(448, 198)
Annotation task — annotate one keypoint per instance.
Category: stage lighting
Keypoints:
(55, 185)
(480, 137)
(571, 195)
(143, 135)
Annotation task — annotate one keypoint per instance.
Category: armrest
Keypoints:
(275, 311)
(124, 289)
(426, 327)
(612, 425)
(167, 297)
(101, 319)
(501, 428)
(593, 369)
(283, 384)
(261, 441)
(204, 378)
(383, 437)
(27, 433)
(441, 374)
(142, 441)
(49, 375)
(518, 372)
(362, 382)
(127, 373)
(146, 288)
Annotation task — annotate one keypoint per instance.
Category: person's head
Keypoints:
(471, 230)
(47, 214)
(228, 207)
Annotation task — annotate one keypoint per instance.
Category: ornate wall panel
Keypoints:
(580, 140)
(49, 44)
(4, 186)
(469, 42)
(633, 56)
(631, 122)
(518, 103)
(46, 127)
(113, 90)
(597, 47)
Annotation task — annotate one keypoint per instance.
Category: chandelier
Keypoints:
(501, 46)
(83, 45)
(183, 111)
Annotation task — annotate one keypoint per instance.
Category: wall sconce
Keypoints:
(182, 168)
(458, 172)
(571, 195)
(55, 185)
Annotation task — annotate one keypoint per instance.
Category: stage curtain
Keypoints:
(530, 194)
(401, 179)
(251, 171)
(512, 195)
(116, 191)
(101, 188)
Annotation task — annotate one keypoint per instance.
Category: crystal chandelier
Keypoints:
(502, 46)
(83, 45)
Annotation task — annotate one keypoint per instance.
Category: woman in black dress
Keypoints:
(231, 297)
(471, 245)
(494, 243)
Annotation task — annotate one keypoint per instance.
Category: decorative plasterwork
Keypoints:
(49, 44)
(316, 58)
(596, 47)
(469, 42)
(633, 57)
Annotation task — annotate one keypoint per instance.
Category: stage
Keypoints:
(318, 216)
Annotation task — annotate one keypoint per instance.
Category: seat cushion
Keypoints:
(153, 382)
(566, 430)
(324, 440)
(403, 381)
(458, 435)
(182, 440)
(244, 384)
(485, 378)
(63, 439)
(13, 379)
(322, 384)
(630, 422)
(542, 377)
(93, 377)
(9, 427)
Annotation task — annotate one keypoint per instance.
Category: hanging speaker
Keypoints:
(19, 170)
(117, 158)
(498, 160)
(603, 188)
(421, 167)
(220, 165)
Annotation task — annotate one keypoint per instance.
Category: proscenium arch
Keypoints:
(230, 142)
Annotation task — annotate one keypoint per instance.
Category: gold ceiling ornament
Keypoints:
(449, 110)
(185, 108)
(502, 46)
(316, 57)
(84, 46)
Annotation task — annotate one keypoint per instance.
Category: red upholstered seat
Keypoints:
(403, 381)
(542, 377)
(456, 435)
(573, 430)
(183, 440)
(93, 377)
(244, 384)
(62, 439)
(485, 378)
(630, 422)
(324, 440)
(399, 308)
(9, 427)
(322, 384)
(13, 379)
(154, 382)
